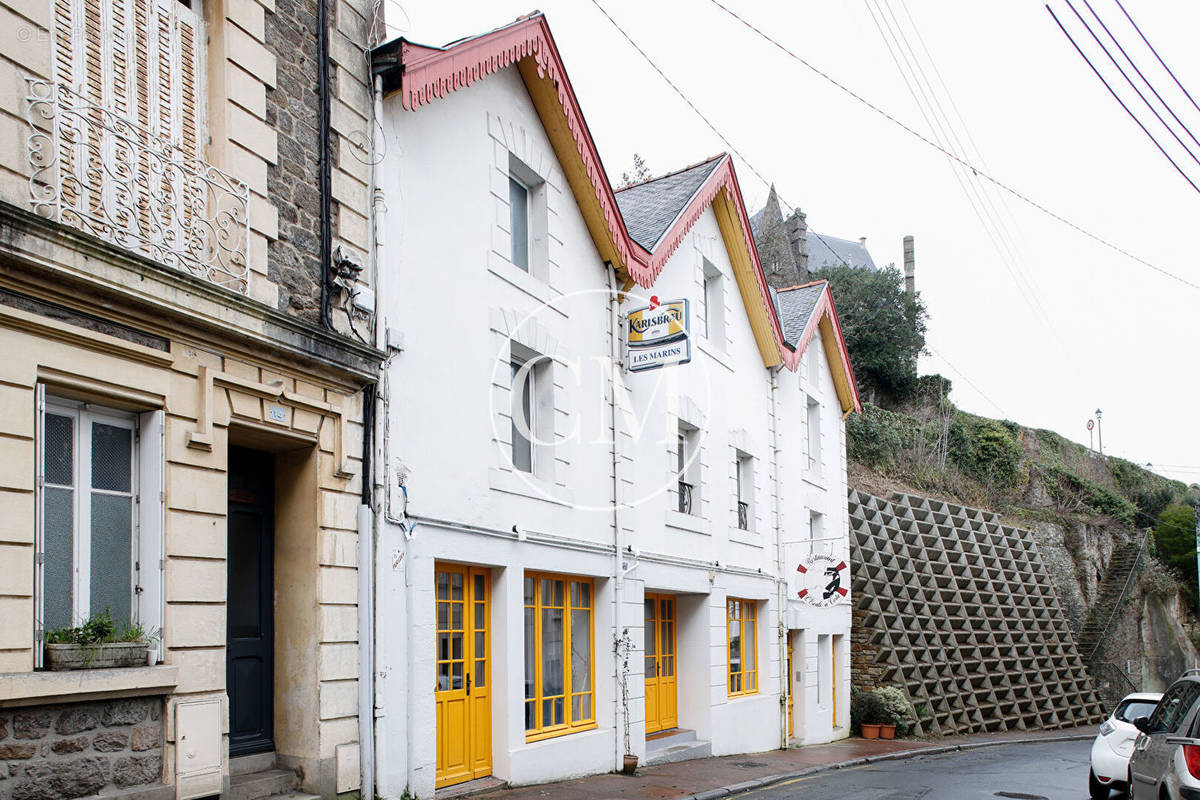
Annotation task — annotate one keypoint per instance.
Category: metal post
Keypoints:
(1196, 511)
(1099, 432)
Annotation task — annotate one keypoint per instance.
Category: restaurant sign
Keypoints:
(658, 335)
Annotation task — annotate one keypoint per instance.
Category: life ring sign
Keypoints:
(824, 580)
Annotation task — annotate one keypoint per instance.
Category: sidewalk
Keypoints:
(707, 778)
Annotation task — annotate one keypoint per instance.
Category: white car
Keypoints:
(1114, 745)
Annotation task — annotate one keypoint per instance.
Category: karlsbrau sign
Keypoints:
(658, 335)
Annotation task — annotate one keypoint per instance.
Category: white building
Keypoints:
(580, 561)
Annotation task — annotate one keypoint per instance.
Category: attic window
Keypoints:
(714, 306)
(527, 218)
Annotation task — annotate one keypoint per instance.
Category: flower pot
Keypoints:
(630, 766)
(95, 656)
(870, 730)
(887, 731)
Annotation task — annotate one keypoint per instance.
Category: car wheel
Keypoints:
(1096, 789)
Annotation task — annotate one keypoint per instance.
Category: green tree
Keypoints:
(1175, 536)
(884, 328)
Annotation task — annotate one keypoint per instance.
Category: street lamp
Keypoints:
(1099, 433)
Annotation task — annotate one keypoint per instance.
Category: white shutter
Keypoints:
(150, 542)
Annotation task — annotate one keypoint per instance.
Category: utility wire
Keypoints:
(1132, 85)
(1136, 69)
(969, 382)
(1156, 55)
(983, 174)
(1116, 96)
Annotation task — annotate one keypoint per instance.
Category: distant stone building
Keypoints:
(790, 251)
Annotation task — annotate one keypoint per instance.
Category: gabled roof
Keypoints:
(637, 235)
(651, 207)
(830, 251)
(809, 308)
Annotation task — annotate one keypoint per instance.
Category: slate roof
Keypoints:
(649, 208)
(830, 251)
(795, 307)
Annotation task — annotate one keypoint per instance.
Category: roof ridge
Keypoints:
(522, 18)
(679, 171)
(801, 285)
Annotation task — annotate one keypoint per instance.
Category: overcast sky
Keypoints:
(1034, 322)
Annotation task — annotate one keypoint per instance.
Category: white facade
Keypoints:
(461, 317)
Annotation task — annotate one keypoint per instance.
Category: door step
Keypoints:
(269, 783)
(477, 786)
(680, 745)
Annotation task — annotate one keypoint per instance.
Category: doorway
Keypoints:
(250, 613)
(662, 702)
(463, 690)
(791, 683)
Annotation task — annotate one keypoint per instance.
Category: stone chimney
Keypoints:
(910, 266)
(797, 232)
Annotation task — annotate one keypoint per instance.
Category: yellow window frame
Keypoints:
(741, 615)
(569, 724)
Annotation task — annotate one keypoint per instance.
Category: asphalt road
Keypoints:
(1045, 771)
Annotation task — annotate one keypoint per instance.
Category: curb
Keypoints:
(760, 783)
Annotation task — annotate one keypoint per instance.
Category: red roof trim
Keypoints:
(824, 308)
(430, 74)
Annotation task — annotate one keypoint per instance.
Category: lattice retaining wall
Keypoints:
(957, 609)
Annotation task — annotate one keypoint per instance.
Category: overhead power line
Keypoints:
(980, 172)
(1117, 97)
(1156, 55)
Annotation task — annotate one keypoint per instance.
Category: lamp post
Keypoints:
(1099, 433)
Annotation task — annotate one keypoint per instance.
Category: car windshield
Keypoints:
(1130, 710)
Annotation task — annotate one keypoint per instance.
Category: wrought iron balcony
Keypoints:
(108, 176)
(685, 497)
(743, 515)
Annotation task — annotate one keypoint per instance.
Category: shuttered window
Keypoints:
(141, 59)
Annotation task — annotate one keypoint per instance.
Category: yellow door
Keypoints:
(791, 705)
(462, 693)
(662, 709)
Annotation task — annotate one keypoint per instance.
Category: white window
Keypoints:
(527, 216)
(100, 515)
(743, 469)
(816, 531)
(814, 435)
(714, 306)
(687, 468)
(532, 410)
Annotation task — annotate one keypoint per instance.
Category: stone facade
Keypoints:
(57, 752)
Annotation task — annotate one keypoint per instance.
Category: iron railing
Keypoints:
(743, 515)
(685, 497)
(108, 176)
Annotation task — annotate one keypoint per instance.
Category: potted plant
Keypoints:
(898, 714)
(867, 712)
(99, 643)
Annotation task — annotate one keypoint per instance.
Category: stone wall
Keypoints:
(958, 611)
(60, 752)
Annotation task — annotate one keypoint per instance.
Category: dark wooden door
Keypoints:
(250, 657)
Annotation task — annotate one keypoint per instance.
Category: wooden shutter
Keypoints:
(141, 59)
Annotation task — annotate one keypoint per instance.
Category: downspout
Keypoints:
(620, 712)
(324, 165)
(780, 575)
(373, 489)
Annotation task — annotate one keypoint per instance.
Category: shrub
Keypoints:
(866, 707)
(897, 710)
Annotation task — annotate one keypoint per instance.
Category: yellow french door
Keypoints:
(662, 706)
(463, 696)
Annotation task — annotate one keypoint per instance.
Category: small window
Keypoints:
(742, 646)
(687, 469)
(816, 531)
(814, 434)
(518, 204)
(559, 655)
(714, 306)
(743, 470)
(523, 388)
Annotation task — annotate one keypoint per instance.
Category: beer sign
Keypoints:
(658, 335)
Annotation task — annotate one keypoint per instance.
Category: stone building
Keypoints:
(186, 319)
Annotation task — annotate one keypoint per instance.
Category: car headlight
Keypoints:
(1107, 727)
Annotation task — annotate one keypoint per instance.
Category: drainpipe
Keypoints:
(780, 575)
(620, 713)
(325, 167)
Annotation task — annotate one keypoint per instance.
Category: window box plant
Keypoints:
(99, 643)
